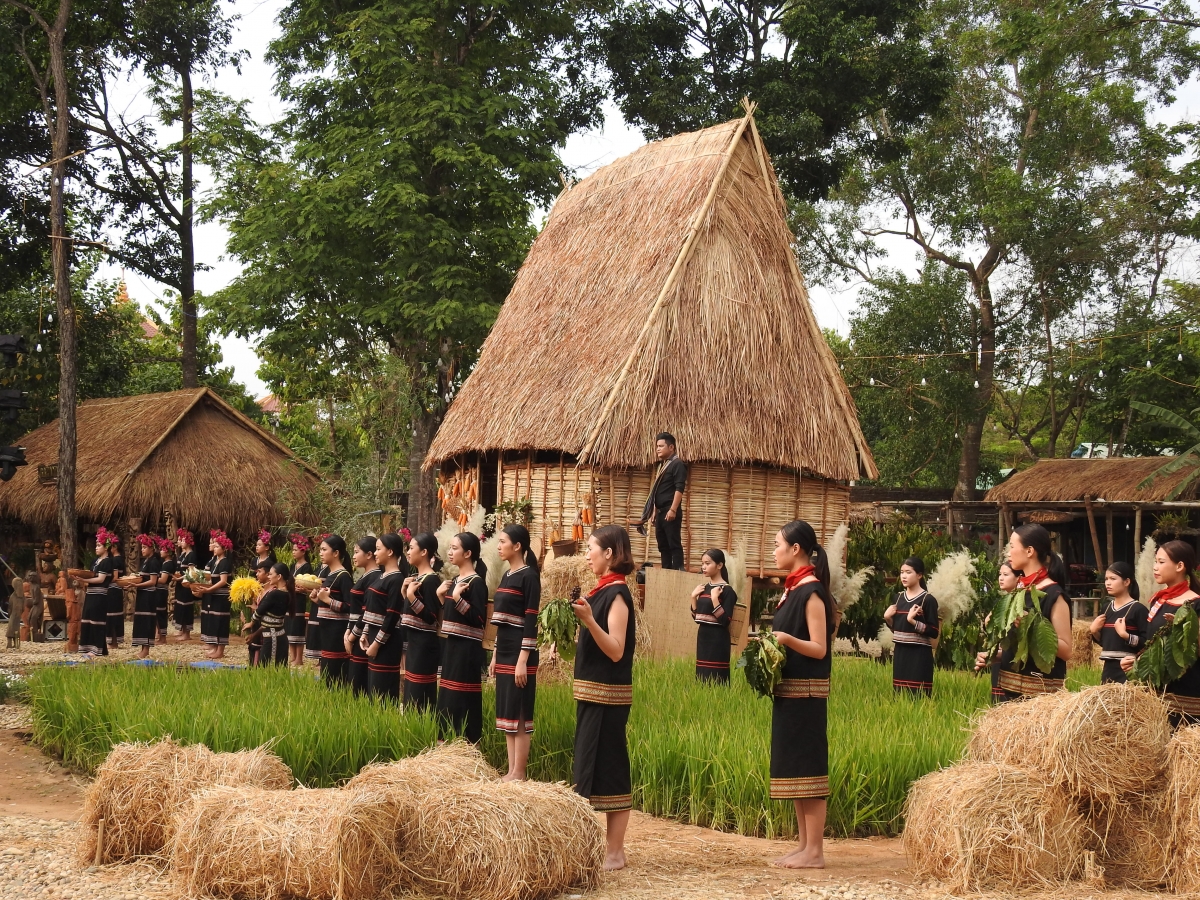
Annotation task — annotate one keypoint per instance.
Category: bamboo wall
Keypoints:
(724, 506)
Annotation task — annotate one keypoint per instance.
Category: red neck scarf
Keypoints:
(610, 578)
(1034, 579)
(1171, 593)
(799, 575)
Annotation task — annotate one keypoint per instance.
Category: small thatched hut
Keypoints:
(183, 458)
(663, 294)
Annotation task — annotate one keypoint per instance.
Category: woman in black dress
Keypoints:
(267, 625)
(464, 610)
(515, 660)
(93, 622)
(333, 609)
(262, 550)
(165, 548)
(799, 714)
(913, 619)
(603, 687)
(1175, 569)
(116, 594)
(297, 624)
(214, 606)
(312, 627)
(145, 608)
(1008, 580)
(712, 609)
(383, 636)
(1120, 629)
(184, 610)
(363, 558)
(422, 615)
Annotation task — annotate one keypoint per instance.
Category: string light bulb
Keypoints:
(976, 382)
(1147, 364)
(1101, 373)
(38, 348)
(1180, 357)
(49, 317)
(872, 381)
(922, 382)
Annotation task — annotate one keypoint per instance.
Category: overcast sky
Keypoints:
(584, 153)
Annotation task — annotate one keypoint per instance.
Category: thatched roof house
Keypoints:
(1110, 480)
(663, 294)
(185, 455)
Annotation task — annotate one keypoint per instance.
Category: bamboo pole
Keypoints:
(1137, 531)
(762, 541)
(1108, 524)
(1091, 517)
(729, 507)
(668, 287)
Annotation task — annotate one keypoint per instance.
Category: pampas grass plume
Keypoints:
(846, 588)
(950, 583)
(1144, 571)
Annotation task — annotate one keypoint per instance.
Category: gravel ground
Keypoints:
(55, 652)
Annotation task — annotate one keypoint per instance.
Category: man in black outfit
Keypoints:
(663, 506)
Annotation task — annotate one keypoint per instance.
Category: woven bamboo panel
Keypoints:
(621, 496)
(706, 521)
(669, 618)
(557, 491)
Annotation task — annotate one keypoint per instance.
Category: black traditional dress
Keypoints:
(312, 628)
(799, 714)
(422, 646)
(381, 621)
(1182, 694)
(356, 669)
(1029, 680)
(514, 613)
(296, 624)
(712, 633)
(332, 619)
(168, 567)
(185, 600)
(116, 603)
(93, 622)
(145, 608)
(214, 609)
(269, 617)
(912, 656)
(460, 690)
(1113, 647)
(603, 692)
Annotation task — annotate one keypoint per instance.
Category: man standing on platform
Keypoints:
(664, 505)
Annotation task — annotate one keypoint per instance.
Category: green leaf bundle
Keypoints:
(1023, 629)
(1171, 652)
(558, 625)
(762, 661)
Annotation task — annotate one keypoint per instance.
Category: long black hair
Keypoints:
(917, 565)
(289, 583)
(519, 534)
(718, 556)
(428, 542)
(1037, 538)
(394, 544)
(800, 532)
(471, 546)
(367, 544)
(337, 544)
(1125, 572)
(1183, 552)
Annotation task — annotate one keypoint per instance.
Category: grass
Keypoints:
(700, 753)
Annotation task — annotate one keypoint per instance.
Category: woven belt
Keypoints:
(602, 693)
(798, 688)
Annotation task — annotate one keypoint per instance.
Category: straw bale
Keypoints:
(139, 787)
(319, 844)
(504, 841)
(1183, 788)
(1084, 651)
(1016, 733)
(563, 573)
(1135, 841)
(978, 824)
(429, 772)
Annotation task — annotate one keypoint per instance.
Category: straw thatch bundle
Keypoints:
(976, 825)
(1016, 733)
(1135, 841)
(139, 788)
(429, 772)
(1071, 480)
(1084, 651)
(504, 841)
(322, 844)
(562, 574)
(1183, 789)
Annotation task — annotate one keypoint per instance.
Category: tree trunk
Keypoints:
(60, 256)
(187, 275)
(423, 513)
(1054, 423)
(968, 461)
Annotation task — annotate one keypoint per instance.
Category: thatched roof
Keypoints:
(187, 451)
(663, 294)
(1066, 480)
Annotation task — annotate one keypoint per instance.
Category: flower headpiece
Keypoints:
(185, 537)
(299, 542)
(406, 534)
(323, 535)
(148, 540)
(222, 539)
(265, 537)
(106, 538)
(166, 544)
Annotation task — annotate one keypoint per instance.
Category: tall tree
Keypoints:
(396, 206)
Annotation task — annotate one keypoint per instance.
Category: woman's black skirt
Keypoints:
(145, 618)
(273, 651)
(601, 768)
(335, 661)
(160, 610)
(356, 669)
(383, 672)
(460, 691)
(214, 621)
(422, 658)
(185, 608)
(712, 653)
(799, 748)
(93, 624)
(312, 632)
(912, 669)
(116, 615)
(1112, 673)
(295, 627)
(514, 705)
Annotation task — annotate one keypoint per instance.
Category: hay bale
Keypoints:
(563, 573)
(139, 787)
(1016, 733)
(1108, 744)
(429, 772)
(504, 841)
(983, 824)
(319, 844)
(1084, 651)
(1183, 789)
(1134, 842)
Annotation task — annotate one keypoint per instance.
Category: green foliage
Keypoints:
(1017, 625)
(558, 625)
(1188, 461)
(1171, 652)
(762, 661)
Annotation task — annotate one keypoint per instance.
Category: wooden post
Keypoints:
(762, 543)
(1001, 529)
(99, 844)
(729, 507)
(1108, 524)
(1137, 532)
(1091, 517)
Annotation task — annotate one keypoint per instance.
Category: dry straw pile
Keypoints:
(1084, 651)
(1183, 788)
(427, 773)
(140, 787)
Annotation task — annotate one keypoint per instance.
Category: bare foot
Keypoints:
(802, 860)
(513, 776)
(614, 861)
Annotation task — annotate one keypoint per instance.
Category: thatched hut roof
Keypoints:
(186, 451)
(664, 294)
(1071, 480)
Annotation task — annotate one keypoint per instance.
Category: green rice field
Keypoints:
(700, 753)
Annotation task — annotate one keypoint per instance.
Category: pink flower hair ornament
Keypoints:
(148, 540)
(106, 538)
(265, 537)
(222, 540)
(165, 544)
(185, 537)
(299, 542)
